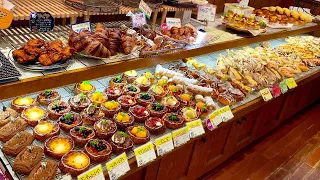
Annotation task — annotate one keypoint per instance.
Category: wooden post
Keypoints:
(163, 16)
(73, 20)
(86, 17)
(154, 18)
(63, 21)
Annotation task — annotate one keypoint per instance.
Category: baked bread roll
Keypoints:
(17, 143)
(10, 129)
(27, 159)
(46, 170)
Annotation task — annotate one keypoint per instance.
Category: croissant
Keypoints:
(101, 29)
(74, 41)
(148, 33)
(114, 41)
(84, 34)
(128, 43)
(174, 30)
(96, 48)
(101, 37)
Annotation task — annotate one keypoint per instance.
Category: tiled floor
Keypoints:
(290, 152)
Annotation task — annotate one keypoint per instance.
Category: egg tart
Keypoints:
(175, 90)
(189, 114)
(155, 125)
(110, 108)
(98, 97)
(69, 121)
(139, 113)
(126, 101)
(45, 170)
(58, 146)
(74, 163)
(6, 114)
(118, 81)
(123, 120)
(20, 103)
(85, 87)
(173, 120)
(12, 128)
(17, 143)
(171, 103)
(130, 75)
(45, 130)
(104, 129)
(34, 114)
(81, 135)
(157, 91)
(120, 142)
(91, 114)
(79, 102)
(131, 90)
(143, 83)
(57, 109)
(186, 99)
(138, 134)
(27, 159)
(48, 97)
(98, 150)
(157, 109)
(144, 99)
(113, 92)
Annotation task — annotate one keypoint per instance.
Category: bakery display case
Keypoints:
(124, 87)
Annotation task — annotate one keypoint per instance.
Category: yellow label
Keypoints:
(6, 18)
(291, 83)
(224, 110)
(163, 139)
(116, 161)
(143, 149)
(180, 132)
(266, 94)
(91, 173)
(194, 124)
(213, 115)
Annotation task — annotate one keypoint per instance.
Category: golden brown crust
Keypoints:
(47, 173)
(10, 129)
(27, 159)
(6, 115)
(16, 144)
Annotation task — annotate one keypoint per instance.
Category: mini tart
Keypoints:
(202, 108)
(173, 120)
(120, 142)
(226, 99)
(58, 146)
(79, 102)
(186, 99)
(114, 92)
(69, 121)
(123, 120)
(138, 134)
(189, 114)
(84, 87)
(126, 101)
(155, 125)
(16, 144)
(6, 114)
(34, 114)
(171, 103)
(157, 91)
(139, 113)
(150, 76)
(57, 109)
(110, 108)
(45, 130)
(81, 135)
(131, 90)
(144, 99)
(48, 97)
(118, 81)
(98, 150)
(104, 129)
(91, 114)
(143, 83)
(98, 97)
(175, 90)
(27, 159)
(74, 163)
(157, 109)
(20, 103)
(130, 75)
(12, 128)
(46, 169)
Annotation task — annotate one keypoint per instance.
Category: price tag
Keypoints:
(291, 83)
(225, 113)
(143, 7)
(41, 22)
(180, 136)
(95, 173)
(81, 27)
(283, 86)
(195, 128)
(215, 118)
(173, 22)
(276, 90)
(145, 154)
(243, 3)
(206, 13)
(118, 166)
(138, 20)
(164, 144)
(209, 125)
(164, 26)
(5, 18)
(266, 94)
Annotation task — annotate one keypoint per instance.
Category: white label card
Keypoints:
(118, 166)
(180, 136)
(145, 154)
(206, 12)
(195, 128)
(173, 22)
(81, 27)
(138, 20)
(243, 3)
(164, 144)
(95, 173)
(145, 9)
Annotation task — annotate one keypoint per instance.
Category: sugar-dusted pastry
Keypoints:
(173, 120)
(79, 102)
(138, 134)
(6, 114)
(144, 99)
(34, 114)
(57, 146)
(20, 103)
(69, 121)
(199, 89)
(46, 129)
(104, 129)
(130, 75)
(57, 109)
(27, 159)
(12, 128)
(120, 142)
(48, 96)
(171, 103)
(74, 162)
(184, 80)
(123, 120)
(81, 135)
(98, 150)
(84, 87)
(92, 114)
(155, 125)
(161, 71)
(210, 103)
(98, 97)
(46, 169)
(17, 143)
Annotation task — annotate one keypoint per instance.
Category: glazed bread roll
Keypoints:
(287, 11)
(272, 8)
(295, 15)
(280, 10)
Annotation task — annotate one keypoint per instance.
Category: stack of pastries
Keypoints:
(185, 33)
